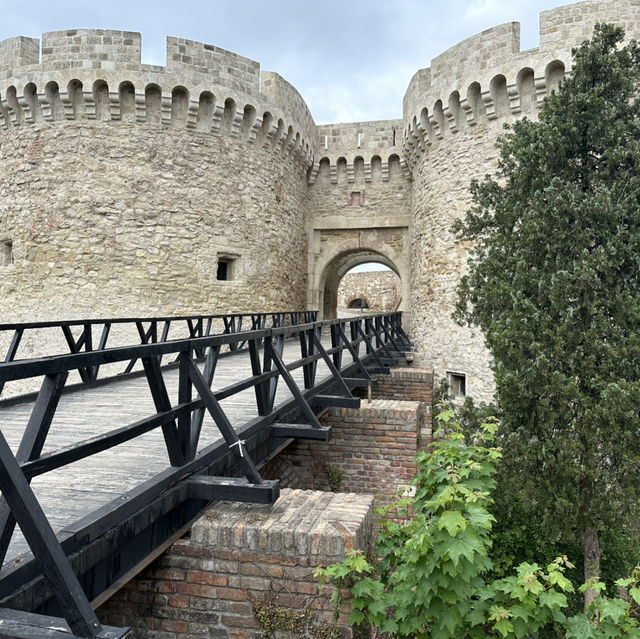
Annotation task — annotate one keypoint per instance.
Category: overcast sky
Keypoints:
(350, 59)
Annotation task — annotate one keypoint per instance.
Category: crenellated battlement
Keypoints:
(98, 75)
(488, 78)
(369, 148)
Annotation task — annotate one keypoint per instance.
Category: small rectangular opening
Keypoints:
(457, 384)
(226, 269)
(223, 270)
(6, 252)
(356, 198)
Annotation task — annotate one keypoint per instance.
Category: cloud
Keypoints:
(483, 10)
(364, 97)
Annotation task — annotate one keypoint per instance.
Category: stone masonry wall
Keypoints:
(440, 259)
(124, 185)
(381, 290)
(239, 555)
(129, 222)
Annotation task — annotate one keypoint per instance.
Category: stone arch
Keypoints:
(376, 168)
(127, 98)
(438, 118)
(341, 170)
(553, 74)
(100, 92)
(206, 108)
(358, 169)
(179, 106)
(499, 95)
(425, 126)
(76, 99)
(338, 267)
(395, 170)
(288, 142)
(30, 93)
(324, 171)
(526, 86)
(454, 112)
(474, 100)
(53, 103)
(153, 103)
(263, 138)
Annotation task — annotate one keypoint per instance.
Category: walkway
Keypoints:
(69, 493)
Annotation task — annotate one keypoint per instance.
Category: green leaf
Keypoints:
(453, 521)
(614, 609)
(579, 627)
(553, 600)
(465, 545)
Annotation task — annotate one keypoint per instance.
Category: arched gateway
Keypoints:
(340, 250)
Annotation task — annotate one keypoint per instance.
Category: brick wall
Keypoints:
(413, 384)
(372, 451)
(239, 555)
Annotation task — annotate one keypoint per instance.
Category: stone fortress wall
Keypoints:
(381, 290)
(453, 113)
(124, 185)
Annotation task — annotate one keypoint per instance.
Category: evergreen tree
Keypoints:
(554, 283)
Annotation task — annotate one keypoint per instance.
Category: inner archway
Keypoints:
(342, 264)
(369, 288)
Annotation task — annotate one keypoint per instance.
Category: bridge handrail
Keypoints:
(51, 364)
(149, 330)
(147, 318)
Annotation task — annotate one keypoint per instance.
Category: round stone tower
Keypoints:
(132, 189)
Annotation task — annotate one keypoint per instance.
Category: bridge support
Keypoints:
(242, 559)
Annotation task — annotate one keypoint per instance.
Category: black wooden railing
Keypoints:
(109, 545)
(93, 335)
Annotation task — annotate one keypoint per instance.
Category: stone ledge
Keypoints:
(301, 523)
(413, 374)
(383, 408)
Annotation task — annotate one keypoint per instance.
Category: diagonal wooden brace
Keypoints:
(224, 425)
(45, 547)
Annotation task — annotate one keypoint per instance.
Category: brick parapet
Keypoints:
(405, 383)
(206, 585)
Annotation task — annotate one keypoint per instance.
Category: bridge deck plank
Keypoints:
(71, 492)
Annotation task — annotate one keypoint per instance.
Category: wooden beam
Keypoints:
(45, 546)
(17, 624)
(301, 431)
(233, 489)
(354, 382)
(322, 401)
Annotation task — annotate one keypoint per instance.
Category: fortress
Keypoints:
(205, 185)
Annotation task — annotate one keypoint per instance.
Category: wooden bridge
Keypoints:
(104, 473)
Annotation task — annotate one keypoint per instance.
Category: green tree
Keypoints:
(554, 283)
(432, 579)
